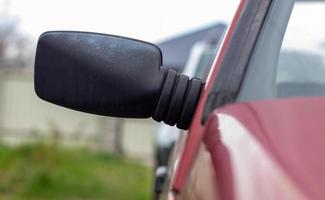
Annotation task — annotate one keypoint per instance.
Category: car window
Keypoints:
(289, 55)
(301, 64)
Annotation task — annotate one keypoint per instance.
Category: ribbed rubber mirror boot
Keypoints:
(112, 76)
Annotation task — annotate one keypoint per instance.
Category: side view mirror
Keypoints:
(112, 76)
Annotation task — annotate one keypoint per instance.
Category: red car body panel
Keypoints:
(275, 144)
(268, 149)
(261, 150)
(257, 150)
(196, 129)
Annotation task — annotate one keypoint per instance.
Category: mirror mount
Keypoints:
(178, 100)
(112, 76)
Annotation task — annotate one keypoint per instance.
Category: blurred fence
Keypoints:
(24, 117)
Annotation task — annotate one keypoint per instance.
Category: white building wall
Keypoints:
(23, 114)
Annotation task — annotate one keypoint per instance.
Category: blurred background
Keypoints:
(49, 152)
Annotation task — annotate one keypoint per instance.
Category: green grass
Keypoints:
(47, 171)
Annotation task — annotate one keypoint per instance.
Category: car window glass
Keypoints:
(301, 64)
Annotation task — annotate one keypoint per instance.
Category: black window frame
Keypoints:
(226, 85)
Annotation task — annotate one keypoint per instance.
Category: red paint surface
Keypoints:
(196, 129)
(220, 159)
(291, 135)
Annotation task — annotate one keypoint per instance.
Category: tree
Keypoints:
(15, 47)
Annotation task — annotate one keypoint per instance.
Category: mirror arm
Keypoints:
(178, 99)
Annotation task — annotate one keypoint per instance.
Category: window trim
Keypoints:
(227, 84)
(258, 83)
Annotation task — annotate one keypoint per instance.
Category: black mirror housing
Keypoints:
(112, 76)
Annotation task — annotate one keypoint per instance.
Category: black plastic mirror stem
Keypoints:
(112, 76)
(178, 100)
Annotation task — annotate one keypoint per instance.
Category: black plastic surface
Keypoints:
(177, 100)
(162, 106)
(112, 76)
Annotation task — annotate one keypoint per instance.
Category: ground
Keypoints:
(49, 171)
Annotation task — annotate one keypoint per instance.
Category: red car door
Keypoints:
(249, 14)
(238, 151)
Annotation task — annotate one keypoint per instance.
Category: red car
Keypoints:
(256, 125)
